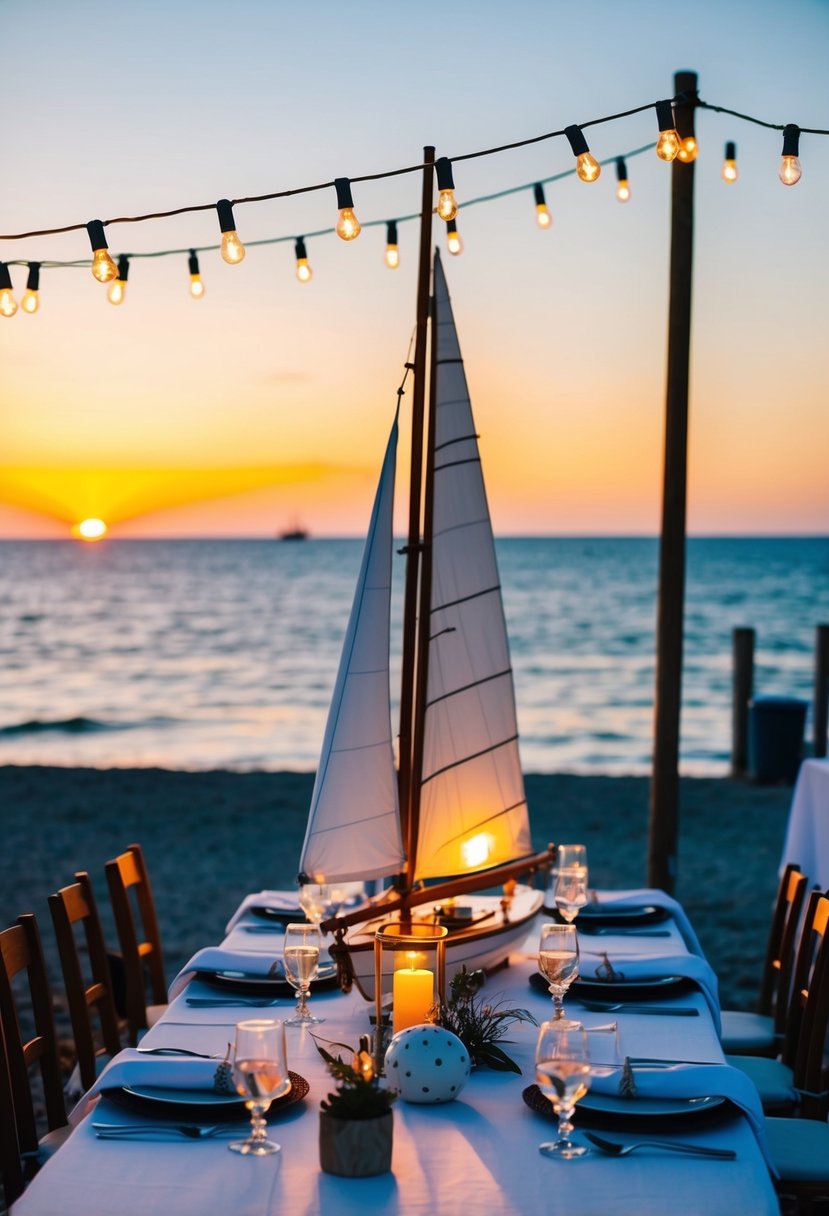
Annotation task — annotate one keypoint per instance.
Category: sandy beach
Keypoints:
(211, 837)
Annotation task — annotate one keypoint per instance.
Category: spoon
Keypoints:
(614, 1149)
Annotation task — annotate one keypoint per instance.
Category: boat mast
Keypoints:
(406, 782)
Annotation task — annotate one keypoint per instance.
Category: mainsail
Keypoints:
(473, 811)
(353, 828)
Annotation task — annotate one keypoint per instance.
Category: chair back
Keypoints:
(805, 1041)
(21, 954)
(70, 907)
(141, 952)
(780, 950)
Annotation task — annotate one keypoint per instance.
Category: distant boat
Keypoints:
(295, 532)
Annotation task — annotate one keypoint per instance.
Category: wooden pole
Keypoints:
(412, 549)
(664, 792)
(743, 686)
(821, 700)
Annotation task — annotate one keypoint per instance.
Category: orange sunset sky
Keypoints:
(268, 401)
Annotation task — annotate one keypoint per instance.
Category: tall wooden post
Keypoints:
(664, 793)
(743, 686)
(820, 706)
(410, 593)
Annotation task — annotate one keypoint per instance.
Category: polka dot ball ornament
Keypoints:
(426, 1064)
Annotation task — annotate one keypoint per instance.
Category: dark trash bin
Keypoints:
(775, 738)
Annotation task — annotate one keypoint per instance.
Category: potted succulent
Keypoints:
(356, 1118)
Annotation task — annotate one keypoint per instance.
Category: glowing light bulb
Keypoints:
(730, 172)
(303, 271)
(667, 146)
(31, 301)
(118, 288)
(453, 238)
(196, 285)
(790, 168)
(233, 251)
(622, 183)
(688, 149)
(447, 203)
(542, 211)
(348, 226)
(588, 168)
(392, 254)
(8, 304)
(103, 267)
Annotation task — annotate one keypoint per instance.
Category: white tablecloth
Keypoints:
(478, 1153)
(807, 835)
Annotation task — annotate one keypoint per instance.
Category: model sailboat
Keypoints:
(456, 810)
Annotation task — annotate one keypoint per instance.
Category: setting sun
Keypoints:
(90, 529)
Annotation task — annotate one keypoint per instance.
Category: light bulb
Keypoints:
(790, 169)
(8, 304)
(542, 211)
(729, 171)
(392, 254)
(117, 291)
(453, 238)
(447, 203)
(31, 300)
(233, 251)
(667, 146)
(103, 267)
(623, 192)
(587, 167)
(688, 149)
(303, 271)
(196, 285)
(348, 226)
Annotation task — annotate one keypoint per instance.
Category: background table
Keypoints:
(807, 835)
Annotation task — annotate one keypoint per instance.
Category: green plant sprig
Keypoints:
(480, 1025)
(358, 1094)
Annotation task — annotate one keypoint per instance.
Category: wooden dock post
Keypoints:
(742, 640)
(820, 706)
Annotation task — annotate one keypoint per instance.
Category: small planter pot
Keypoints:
(355, 1148)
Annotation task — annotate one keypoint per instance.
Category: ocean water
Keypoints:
(222, 654)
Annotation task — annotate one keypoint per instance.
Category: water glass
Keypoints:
(260, 1073)
(300, 958)
(558, 961)
(562, 1073)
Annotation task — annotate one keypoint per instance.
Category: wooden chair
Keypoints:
(761, 1033)
(22, 1150)
(70, 907)
(793, 1083)
(142, 957)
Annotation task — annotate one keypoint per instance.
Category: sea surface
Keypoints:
(222, 654)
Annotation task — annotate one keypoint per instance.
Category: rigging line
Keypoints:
(482, 822)
(496, 675)
(494, 747)
(771, 126)
(464, 599)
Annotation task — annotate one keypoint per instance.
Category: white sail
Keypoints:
(353, 828)
(473, 812)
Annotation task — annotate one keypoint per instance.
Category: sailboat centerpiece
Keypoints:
(452, 820)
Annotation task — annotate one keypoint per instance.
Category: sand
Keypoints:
(211, 837)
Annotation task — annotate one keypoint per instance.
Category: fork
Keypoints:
(614, 1149)
(190, 1131)
(218, 1002)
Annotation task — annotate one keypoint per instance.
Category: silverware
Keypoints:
(219, 1002)
(263, 928)
(674, 1011)
(190, 1131)
(175, 1051)
(614, 1149)
(597, 932)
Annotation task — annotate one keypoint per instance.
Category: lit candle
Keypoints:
(412, 995)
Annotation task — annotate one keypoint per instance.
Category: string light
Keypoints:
(667, 146)
(392, 255)
(587, 167)
(447, 203)
(196, 285)
(790, 170)
(118, 289)
(303, 271)
(688, 149)
(622, 183)
(8, 304)
(31, 299)
(103, 267)
(453, 238)
(348, 226)
(730, 172)
(542, 211)
(233, 251)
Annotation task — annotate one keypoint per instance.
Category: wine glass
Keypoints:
(260, 1073)
(562, 1073)
(570, 891)
(567, 857)
(301, 956)
(314, 899)
(558, 961)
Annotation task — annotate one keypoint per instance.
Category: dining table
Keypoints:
(807, 831)
(478, 1153)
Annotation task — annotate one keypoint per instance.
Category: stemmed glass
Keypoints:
(301, 956)
(260, 1073)
(570, 891)
(558, 961)
(562, 1073)
(314, 899)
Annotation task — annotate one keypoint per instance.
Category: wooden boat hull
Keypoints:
(484, 944)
